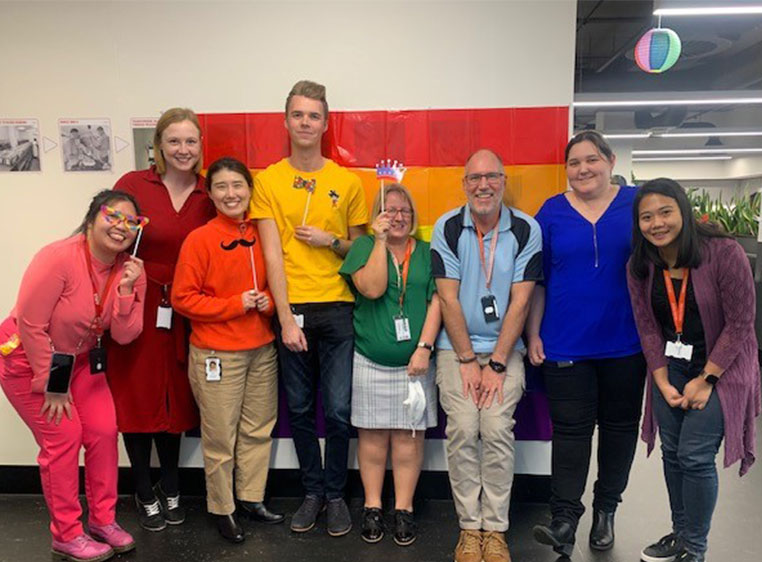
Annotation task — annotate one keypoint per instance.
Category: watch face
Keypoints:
(497, 367)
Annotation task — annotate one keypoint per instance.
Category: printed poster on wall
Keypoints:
(86, 144)
(19, 145)
(142, 141)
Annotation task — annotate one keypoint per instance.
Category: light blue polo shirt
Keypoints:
(455, 255)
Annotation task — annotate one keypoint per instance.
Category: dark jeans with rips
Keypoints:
(328, 359)
(690, 440)
(606, 391)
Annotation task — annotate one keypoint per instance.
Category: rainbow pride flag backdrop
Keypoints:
(433, 145)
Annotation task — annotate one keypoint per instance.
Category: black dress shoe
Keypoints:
(257, 511)
(229, 528)
(602, 532)
(559, 534)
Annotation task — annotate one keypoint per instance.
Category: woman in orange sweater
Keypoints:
(221, 286)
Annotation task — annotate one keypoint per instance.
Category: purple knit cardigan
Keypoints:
(724, 289)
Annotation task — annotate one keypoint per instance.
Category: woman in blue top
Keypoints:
(582, 332)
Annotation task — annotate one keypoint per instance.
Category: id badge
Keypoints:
(164, 317)
(97, 360)
(402, 328)
(299, 319)
(213, 369)
(489, 308)
(679, 350)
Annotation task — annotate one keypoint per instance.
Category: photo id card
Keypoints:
(402, 328)
(164, 317)
(213, 369)
(299, 319)
(489, 308)
(97, 360)
(679, 350)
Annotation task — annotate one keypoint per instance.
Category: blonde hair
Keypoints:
(311, 90)
(169, 117)
(405, 192)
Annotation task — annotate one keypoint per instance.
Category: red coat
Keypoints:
(149, 377)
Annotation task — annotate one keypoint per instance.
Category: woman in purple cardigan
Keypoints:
(693, 298)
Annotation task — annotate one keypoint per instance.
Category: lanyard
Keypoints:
(493, 246)
(98, 299)
(402, 277)
(678, 309)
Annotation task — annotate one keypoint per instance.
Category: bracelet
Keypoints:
(464, 360)
(425, 345)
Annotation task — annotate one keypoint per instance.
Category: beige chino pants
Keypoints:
(238, 413)
(481, 483)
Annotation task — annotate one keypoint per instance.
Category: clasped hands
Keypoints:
(696, 394)
(482, 384)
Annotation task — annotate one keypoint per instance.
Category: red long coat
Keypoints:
(149, 377)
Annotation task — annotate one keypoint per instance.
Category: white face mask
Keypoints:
(415, 403)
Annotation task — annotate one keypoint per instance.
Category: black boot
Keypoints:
(257, 511)
(602, 532)
(559, 534)
(229, 528)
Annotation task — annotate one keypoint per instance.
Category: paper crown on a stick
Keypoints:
(391, 171)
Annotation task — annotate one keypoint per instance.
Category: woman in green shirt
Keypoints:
(396, 320)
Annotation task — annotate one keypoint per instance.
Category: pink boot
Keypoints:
(119, 539)
(81, 549)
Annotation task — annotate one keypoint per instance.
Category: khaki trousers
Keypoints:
(238, 413)
(481, 484)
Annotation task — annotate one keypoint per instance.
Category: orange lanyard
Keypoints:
(402, 278)
(678, 309)
(98, 299)
(493, 246)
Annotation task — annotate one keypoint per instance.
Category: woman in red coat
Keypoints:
(148, 377)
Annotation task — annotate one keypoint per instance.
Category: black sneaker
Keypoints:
(150, 515)
(405, 528)
(304, 518)
(686, 556)
(372, 525)
(339, 521)
(665, 549)
(173, 512)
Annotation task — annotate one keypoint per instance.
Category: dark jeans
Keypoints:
(138, 447)
(609, 391)
(690, 440)
(330, 341)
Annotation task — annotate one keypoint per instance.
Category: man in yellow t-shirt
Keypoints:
(308, 211)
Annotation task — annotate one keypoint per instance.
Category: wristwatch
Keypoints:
(711, 379)
(425, 345)
(496, 366)
(335, 244)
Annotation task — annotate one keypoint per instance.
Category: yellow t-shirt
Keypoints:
(337, 202)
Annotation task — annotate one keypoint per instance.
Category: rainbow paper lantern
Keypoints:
(658, 50)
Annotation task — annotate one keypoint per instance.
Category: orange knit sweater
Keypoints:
(213, 269)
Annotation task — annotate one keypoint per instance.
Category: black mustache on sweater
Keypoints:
(234, 244)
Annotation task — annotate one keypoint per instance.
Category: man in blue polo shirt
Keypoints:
(486, 258)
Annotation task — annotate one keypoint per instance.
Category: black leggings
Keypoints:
(606, 391)
(138, 447)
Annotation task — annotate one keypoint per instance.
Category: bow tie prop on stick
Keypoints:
(309, 186)
(391, 171)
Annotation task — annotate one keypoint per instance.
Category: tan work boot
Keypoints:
(469, 548)
(494, 548)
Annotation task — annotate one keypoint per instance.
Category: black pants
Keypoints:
(138, 447)
(609, 391)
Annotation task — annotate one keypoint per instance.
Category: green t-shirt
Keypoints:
(375, 336)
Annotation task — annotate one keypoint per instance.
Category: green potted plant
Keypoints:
(739, 217)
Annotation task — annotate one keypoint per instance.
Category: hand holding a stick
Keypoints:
(314, 236)
(133, 268)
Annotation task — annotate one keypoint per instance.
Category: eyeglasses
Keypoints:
(407, 213)
(113, 216)
(493, 178)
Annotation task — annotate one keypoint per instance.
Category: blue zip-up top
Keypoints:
(587, 306)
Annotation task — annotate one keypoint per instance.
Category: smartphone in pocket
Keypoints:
(61, 369)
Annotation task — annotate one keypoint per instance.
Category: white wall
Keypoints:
(134, 59)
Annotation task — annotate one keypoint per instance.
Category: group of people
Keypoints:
(279, 274)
